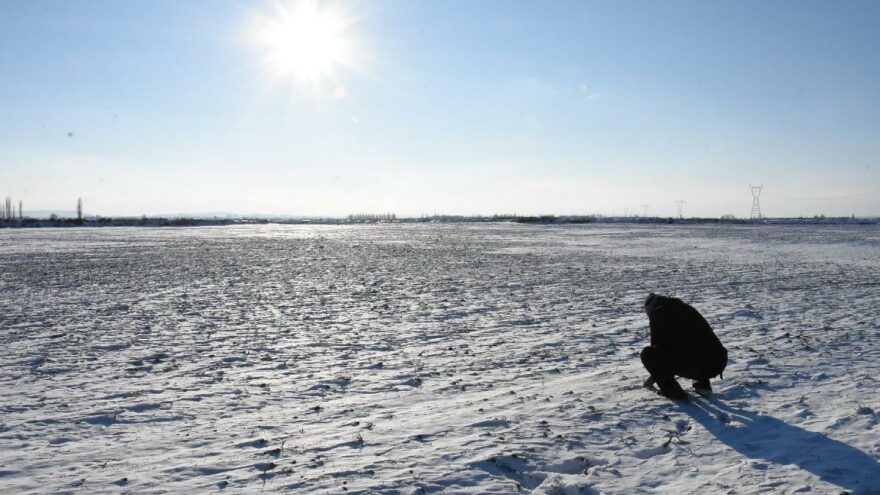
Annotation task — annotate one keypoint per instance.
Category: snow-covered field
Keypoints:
(433, 358)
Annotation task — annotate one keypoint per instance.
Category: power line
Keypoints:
(680, 204)
(826, 198)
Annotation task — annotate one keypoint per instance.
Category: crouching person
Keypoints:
(682, 344)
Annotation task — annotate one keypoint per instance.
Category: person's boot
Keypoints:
(703, 387)
(670, 388)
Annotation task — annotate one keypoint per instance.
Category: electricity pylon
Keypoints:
(756, 203)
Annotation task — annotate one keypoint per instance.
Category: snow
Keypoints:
(490, 358)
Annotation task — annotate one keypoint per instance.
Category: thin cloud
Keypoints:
(587, 93)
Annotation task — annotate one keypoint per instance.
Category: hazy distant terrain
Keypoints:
(427, 358)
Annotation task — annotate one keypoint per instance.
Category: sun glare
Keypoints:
(305, 42)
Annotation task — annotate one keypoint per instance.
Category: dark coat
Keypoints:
(680, 329)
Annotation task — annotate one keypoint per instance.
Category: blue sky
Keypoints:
(452, 107)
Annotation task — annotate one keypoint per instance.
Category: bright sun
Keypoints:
(305, 43)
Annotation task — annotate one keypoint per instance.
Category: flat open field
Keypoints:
(433, 358)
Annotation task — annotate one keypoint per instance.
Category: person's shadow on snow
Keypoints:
(757, 436)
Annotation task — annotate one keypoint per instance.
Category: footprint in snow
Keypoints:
(652, 451)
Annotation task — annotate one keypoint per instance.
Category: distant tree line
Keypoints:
(371, 217)
(7, 211)
(10, 218)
